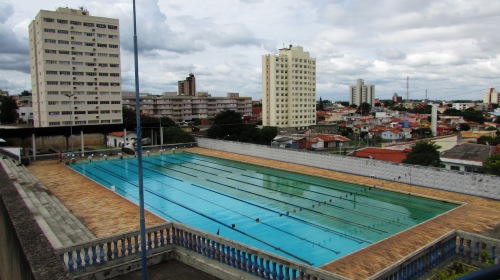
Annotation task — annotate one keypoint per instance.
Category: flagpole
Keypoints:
(142, 222)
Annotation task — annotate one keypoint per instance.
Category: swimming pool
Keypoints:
(309, 219)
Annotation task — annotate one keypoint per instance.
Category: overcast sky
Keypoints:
(449, 48)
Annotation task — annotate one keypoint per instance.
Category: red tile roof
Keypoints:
(382, 154)
(325, 137)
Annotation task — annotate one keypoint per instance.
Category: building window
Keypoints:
(92, 102)
(64, 73)
(76, 33)
(63, 42)
(113, 36)
(455, 167)
(103, 74)
(101, 25)
(63, 52)
(76, 53)
(52, 92)
(52, 83)
(51, 51)
(49, 30)
(53, 113)
(52, 102)
(75, 22)
(62, 21)
(63, 62)
(89, 44)
(114, 74)
(48, 19)
(112, 26)
(105, 112)
(102, 45)
(88, 24)
(101, 35)
(65, 83)
(103, 84)
(54, 123)
(51, 72)
(115, 102)
(104, 102)
(113, 46)
(114, 65)
(103, 65)
(80, 122)
(113, 55)
(89, 34)
(50, 41)
(76, 43)
(91, 92)
(102, 54)
(78, 73)
(115, 84)
(89, 54)
(51, 61)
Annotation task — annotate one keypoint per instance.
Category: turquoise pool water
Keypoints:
(309, 219)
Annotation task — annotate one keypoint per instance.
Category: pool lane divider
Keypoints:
(287, 203)
(305, 208)
(274, 199)
(314, 200)
(326, 203)
(110, 183)
(208, 217)
(276, 228)
(337, 189)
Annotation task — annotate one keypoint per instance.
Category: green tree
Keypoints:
(492, 165)
(25, 93)
(128, 115)
(267, 134)
(488, 140)
(424, 153)
(175, 134)
(364, 109)
(8, 110)
(464, 127)
(320, 105)
(227, 124)
(344, 103)
(452, 112)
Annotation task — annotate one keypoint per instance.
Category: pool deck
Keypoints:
(106, 213)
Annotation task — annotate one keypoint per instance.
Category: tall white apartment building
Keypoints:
(289, 89)
(75, 68)
(361, 93)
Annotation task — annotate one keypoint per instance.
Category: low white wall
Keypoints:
(467, 183)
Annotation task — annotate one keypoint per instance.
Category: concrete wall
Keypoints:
(467, 183)
(58, 142)
(25, 252)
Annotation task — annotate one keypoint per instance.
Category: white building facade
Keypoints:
(361, 93)
(75, 68)
(289, 89)
(186, 107)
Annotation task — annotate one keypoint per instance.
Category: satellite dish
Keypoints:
(129, 149)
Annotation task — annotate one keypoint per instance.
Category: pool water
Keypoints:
(305, 218)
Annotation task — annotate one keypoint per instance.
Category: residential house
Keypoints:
(467, 157)
(392, 134)
(116, 139)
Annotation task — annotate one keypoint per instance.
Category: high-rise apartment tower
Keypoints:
(75, 68)
(289, 89)
(188, 86)
(361, 93)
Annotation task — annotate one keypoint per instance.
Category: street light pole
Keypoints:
(69, 95)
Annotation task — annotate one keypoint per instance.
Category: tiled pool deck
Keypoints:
(105, 213)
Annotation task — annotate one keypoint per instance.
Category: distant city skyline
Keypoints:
(448, 49)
